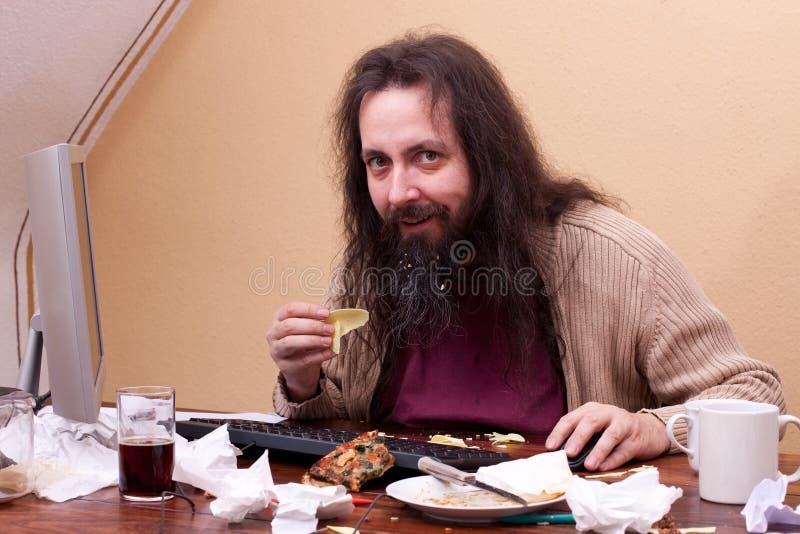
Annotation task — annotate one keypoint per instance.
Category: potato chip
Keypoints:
(445, 439)
(344, 320)
(498, 438)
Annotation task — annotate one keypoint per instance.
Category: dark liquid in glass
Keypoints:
(145, 467)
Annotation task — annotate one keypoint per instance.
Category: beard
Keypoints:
(416, 274)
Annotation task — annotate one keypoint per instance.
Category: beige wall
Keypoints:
(216, 164)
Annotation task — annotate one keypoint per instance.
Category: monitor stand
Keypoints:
(31, 366)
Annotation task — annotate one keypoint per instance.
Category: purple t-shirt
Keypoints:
(460, 383)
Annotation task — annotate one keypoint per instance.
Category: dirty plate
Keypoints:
(450, 502)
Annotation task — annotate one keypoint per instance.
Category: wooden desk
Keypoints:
(104, 511)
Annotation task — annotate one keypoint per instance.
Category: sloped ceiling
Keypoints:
(64, 68)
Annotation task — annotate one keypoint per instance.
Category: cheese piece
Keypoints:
(344, 320)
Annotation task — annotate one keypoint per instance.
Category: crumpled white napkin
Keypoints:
(765, 506)
(209, 463)
(204, 461)
(547, 472)
(242, 491)
(634, 503)
(301, 505)
(73, 459)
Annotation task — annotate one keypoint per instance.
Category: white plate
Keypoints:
(450, 502)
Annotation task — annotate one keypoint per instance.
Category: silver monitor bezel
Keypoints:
(67, 295)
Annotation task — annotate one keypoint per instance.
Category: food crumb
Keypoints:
(394, 518)
(666, 525)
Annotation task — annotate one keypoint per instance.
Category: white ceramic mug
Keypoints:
(738, 448)
(693, 427)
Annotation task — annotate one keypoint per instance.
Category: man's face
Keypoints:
(417, 171)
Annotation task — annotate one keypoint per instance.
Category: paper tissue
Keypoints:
(634, 503)
(73, 459)
(765, 506)
(542, 473)
(209, 463)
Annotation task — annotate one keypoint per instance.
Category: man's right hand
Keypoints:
(299, 341)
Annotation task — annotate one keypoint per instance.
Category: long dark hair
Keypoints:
(513, 191)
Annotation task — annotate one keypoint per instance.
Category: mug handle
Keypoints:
(784, 420)
(677, 417)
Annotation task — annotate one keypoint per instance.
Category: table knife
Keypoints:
(448, 473)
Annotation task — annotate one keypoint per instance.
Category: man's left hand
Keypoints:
(626, 436)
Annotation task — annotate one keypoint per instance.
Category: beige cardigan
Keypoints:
(638, 331)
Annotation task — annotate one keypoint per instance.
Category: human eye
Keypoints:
(429, 156)
(377, 162)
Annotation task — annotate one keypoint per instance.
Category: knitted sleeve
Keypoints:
(693, 352)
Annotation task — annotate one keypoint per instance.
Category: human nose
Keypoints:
(402, 189)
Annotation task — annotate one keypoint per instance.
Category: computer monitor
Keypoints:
(65, 284)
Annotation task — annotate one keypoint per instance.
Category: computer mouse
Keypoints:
(576, 462)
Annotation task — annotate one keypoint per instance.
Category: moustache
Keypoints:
(417, 211)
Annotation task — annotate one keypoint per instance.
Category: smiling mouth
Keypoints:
(417, 216)
(413, 221)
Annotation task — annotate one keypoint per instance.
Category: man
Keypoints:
(499, 295)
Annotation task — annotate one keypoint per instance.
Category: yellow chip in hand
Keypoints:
(345, 320)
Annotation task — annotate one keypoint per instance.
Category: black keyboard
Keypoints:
(321, 441)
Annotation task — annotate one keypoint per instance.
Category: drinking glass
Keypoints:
(146, 436)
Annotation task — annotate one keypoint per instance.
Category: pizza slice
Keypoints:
(351, 464)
